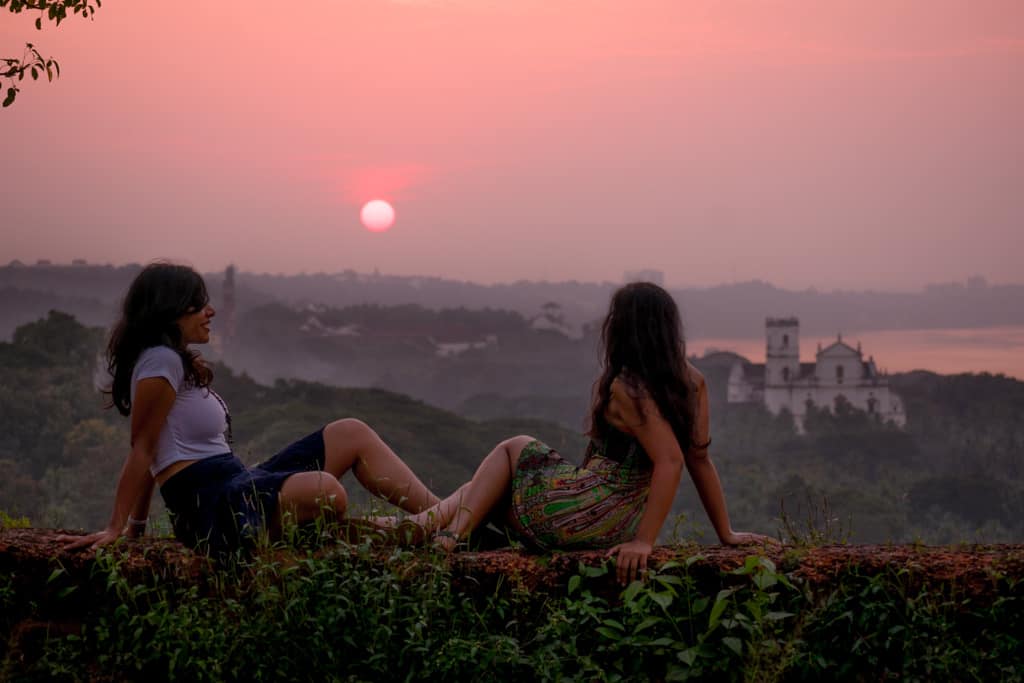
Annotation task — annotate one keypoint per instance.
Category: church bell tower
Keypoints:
(782, 350)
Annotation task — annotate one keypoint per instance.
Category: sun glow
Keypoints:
(377, 215)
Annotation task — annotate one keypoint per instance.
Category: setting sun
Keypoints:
(377, 215)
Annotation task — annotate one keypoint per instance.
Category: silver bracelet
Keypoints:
(137, 522)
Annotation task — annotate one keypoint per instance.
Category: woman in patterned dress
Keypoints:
(648, 420)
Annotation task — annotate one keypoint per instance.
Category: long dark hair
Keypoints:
(643, 344)
(156, 299)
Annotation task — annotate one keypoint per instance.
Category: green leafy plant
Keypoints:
(32, 62)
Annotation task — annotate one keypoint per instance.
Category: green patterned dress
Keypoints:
(558, 505)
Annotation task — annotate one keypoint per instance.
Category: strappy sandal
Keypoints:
(457, 543)
(355, 530)
(408, 533)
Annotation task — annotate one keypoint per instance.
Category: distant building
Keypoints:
(645, 275)
(838, 372)
(452, 349)
(230, 303)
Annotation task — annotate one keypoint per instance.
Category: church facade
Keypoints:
(839, 372)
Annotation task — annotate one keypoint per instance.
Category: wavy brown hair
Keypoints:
(643, 344)
(158, 296)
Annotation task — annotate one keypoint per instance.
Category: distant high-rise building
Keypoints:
(229, 310)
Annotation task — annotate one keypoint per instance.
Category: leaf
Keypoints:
(39, 23)
(608, 633)
(734, 644)
(777, 616)
(755, 610)
(647, 623)
(668, 579)
(663, 599)
(49, 73)
(630, 593)
(574, 583)
(614, 624)
(35, 74)
(688, 656)
(700, 604)
(718, 608)
(693, 558)
(56, 572)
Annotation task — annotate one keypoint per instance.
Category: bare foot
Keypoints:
(446, 540)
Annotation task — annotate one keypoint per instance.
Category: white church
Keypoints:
(838, 370)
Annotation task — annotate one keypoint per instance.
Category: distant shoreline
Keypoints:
(946, 351)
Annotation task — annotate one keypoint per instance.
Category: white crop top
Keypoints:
(195, 426)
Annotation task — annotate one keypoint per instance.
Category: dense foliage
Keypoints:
(61, 451)
(344, 614)
(956, 474)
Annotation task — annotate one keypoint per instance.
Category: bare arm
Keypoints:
(705, 476)
(139, 515)
(656, 437)
(153, 400)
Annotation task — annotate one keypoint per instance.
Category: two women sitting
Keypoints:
(649, 422)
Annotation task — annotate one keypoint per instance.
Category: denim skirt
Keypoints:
(218, 505)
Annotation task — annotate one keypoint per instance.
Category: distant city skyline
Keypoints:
(827, 145)
(649, 274)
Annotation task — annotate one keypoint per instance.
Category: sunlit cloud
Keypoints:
(392, 182)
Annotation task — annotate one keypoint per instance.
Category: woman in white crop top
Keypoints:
(178, 425)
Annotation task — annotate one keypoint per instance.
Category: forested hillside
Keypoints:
(61, 451)
(955, 474)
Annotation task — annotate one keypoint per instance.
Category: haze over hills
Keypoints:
(953, 475)
(92, 292)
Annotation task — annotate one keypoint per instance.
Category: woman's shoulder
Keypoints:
(160, 361)
(159, 354)
(630, 397)
(628, 385)
(695, 377)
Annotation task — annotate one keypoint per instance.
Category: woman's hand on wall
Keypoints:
(632, 559)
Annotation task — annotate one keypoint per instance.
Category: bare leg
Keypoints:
(463, 511)
(438, 516)
(351, 445)
(306, 496)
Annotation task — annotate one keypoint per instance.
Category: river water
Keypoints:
(946, 351)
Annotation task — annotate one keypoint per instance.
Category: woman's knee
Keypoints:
(333, 494)
(348, 430)
(513, 447)
(516, 444)
(310, 493)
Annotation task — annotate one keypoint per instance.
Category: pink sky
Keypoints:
(829, 144)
